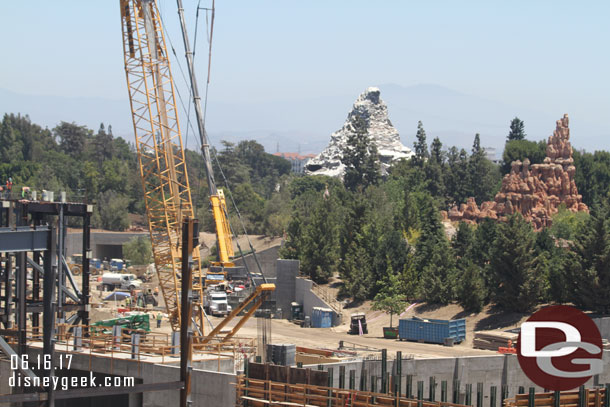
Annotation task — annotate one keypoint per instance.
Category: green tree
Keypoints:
(588, 264)
(566, 223)
(517, 130)
(72, 138)
(111, 211)
(471, 291)
(592, 176)
(103, 145)
(520, 150)
(356, 267)
(420, 146)
(320, 247)
(433, 256)
(138, 250)
(389, 299)
(409, 278)
(516, 284)
(360, 158)
(436, 152)
(463, 240)
(483, 174)
(457, 180)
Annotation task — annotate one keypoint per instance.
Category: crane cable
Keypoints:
(189, 125)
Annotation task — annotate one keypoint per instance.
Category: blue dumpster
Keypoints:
(432, 330)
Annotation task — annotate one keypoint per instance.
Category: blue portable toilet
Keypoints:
(321, 317)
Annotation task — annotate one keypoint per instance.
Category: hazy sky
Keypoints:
(546, 55)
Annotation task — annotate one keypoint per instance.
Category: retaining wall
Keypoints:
(496, 371)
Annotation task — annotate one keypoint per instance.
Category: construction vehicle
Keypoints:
(76, 265)
(110, 281)
(215, 303)
(161, 159)
(135, 321)
(358, 324)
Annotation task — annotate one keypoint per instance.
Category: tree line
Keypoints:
(384, 238)
(372, 231)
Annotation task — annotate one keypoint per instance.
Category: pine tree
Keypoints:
(483, 174)
(436, 152)
(463, 240)
(588, 264)
(517, 286)
(471, 291)
(433, 257)
(320, 244)
(292, 247)
(360, 158)
(420, 146)
(409, 278)
(438, 275)
(517, 131)
(357, 271)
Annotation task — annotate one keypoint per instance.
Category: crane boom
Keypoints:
(217, 198)
(163, 171)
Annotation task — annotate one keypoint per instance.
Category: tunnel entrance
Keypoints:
(109, 251)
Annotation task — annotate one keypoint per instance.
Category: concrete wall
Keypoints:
(490, 370)
(304, 295)
(287, 272)
(74, 241)
(266, 258)
(603, 324)
(209, 387)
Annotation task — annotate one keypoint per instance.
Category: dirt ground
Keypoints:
(283, 331)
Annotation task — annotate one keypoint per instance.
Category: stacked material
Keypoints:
(492, 340)
(281, 354)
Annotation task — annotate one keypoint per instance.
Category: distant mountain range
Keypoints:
(305, 125)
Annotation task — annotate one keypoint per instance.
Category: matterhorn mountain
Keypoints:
(374, 111)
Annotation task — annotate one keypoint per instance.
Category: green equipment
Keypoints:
(140, 322)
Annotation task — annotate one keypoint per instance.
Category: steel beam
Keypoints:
(86, 272)
(36, 291)
(8, 292)
(186, 333)
(21, 275)
(10, 352)
(48, 299)
(23, 239)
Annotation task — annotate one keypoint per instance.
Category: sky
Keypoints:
(551, 56)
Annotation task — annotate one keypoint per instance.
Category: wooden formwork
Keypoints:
(259, 393)
(597, 397)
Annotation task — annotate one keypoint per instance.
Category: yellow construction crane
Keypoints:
(161, 159)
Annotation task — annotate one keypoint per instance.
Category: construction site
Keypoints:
(247, 329)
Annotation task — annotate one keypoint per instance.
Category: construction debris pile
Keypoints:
(493, 340)
(536, 191)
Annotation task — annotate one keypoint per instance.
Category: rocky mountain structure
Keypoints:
(374, 111)
(536, 190)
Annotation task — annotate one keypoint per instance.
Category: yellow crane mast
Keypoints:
(163, 169)
(159, 149)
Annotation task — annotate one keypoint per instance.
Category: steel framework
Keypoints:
(160, 151)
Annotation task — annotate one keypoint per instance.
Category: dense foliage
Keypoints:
(381, 234)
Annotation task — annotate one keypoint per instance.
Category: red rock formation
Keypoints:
(535, 191)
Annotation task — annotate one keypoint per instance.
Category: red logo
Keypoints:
(560, 348)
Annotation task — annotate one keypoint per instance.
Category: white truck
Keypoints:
(110, 281)
(215, 303)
